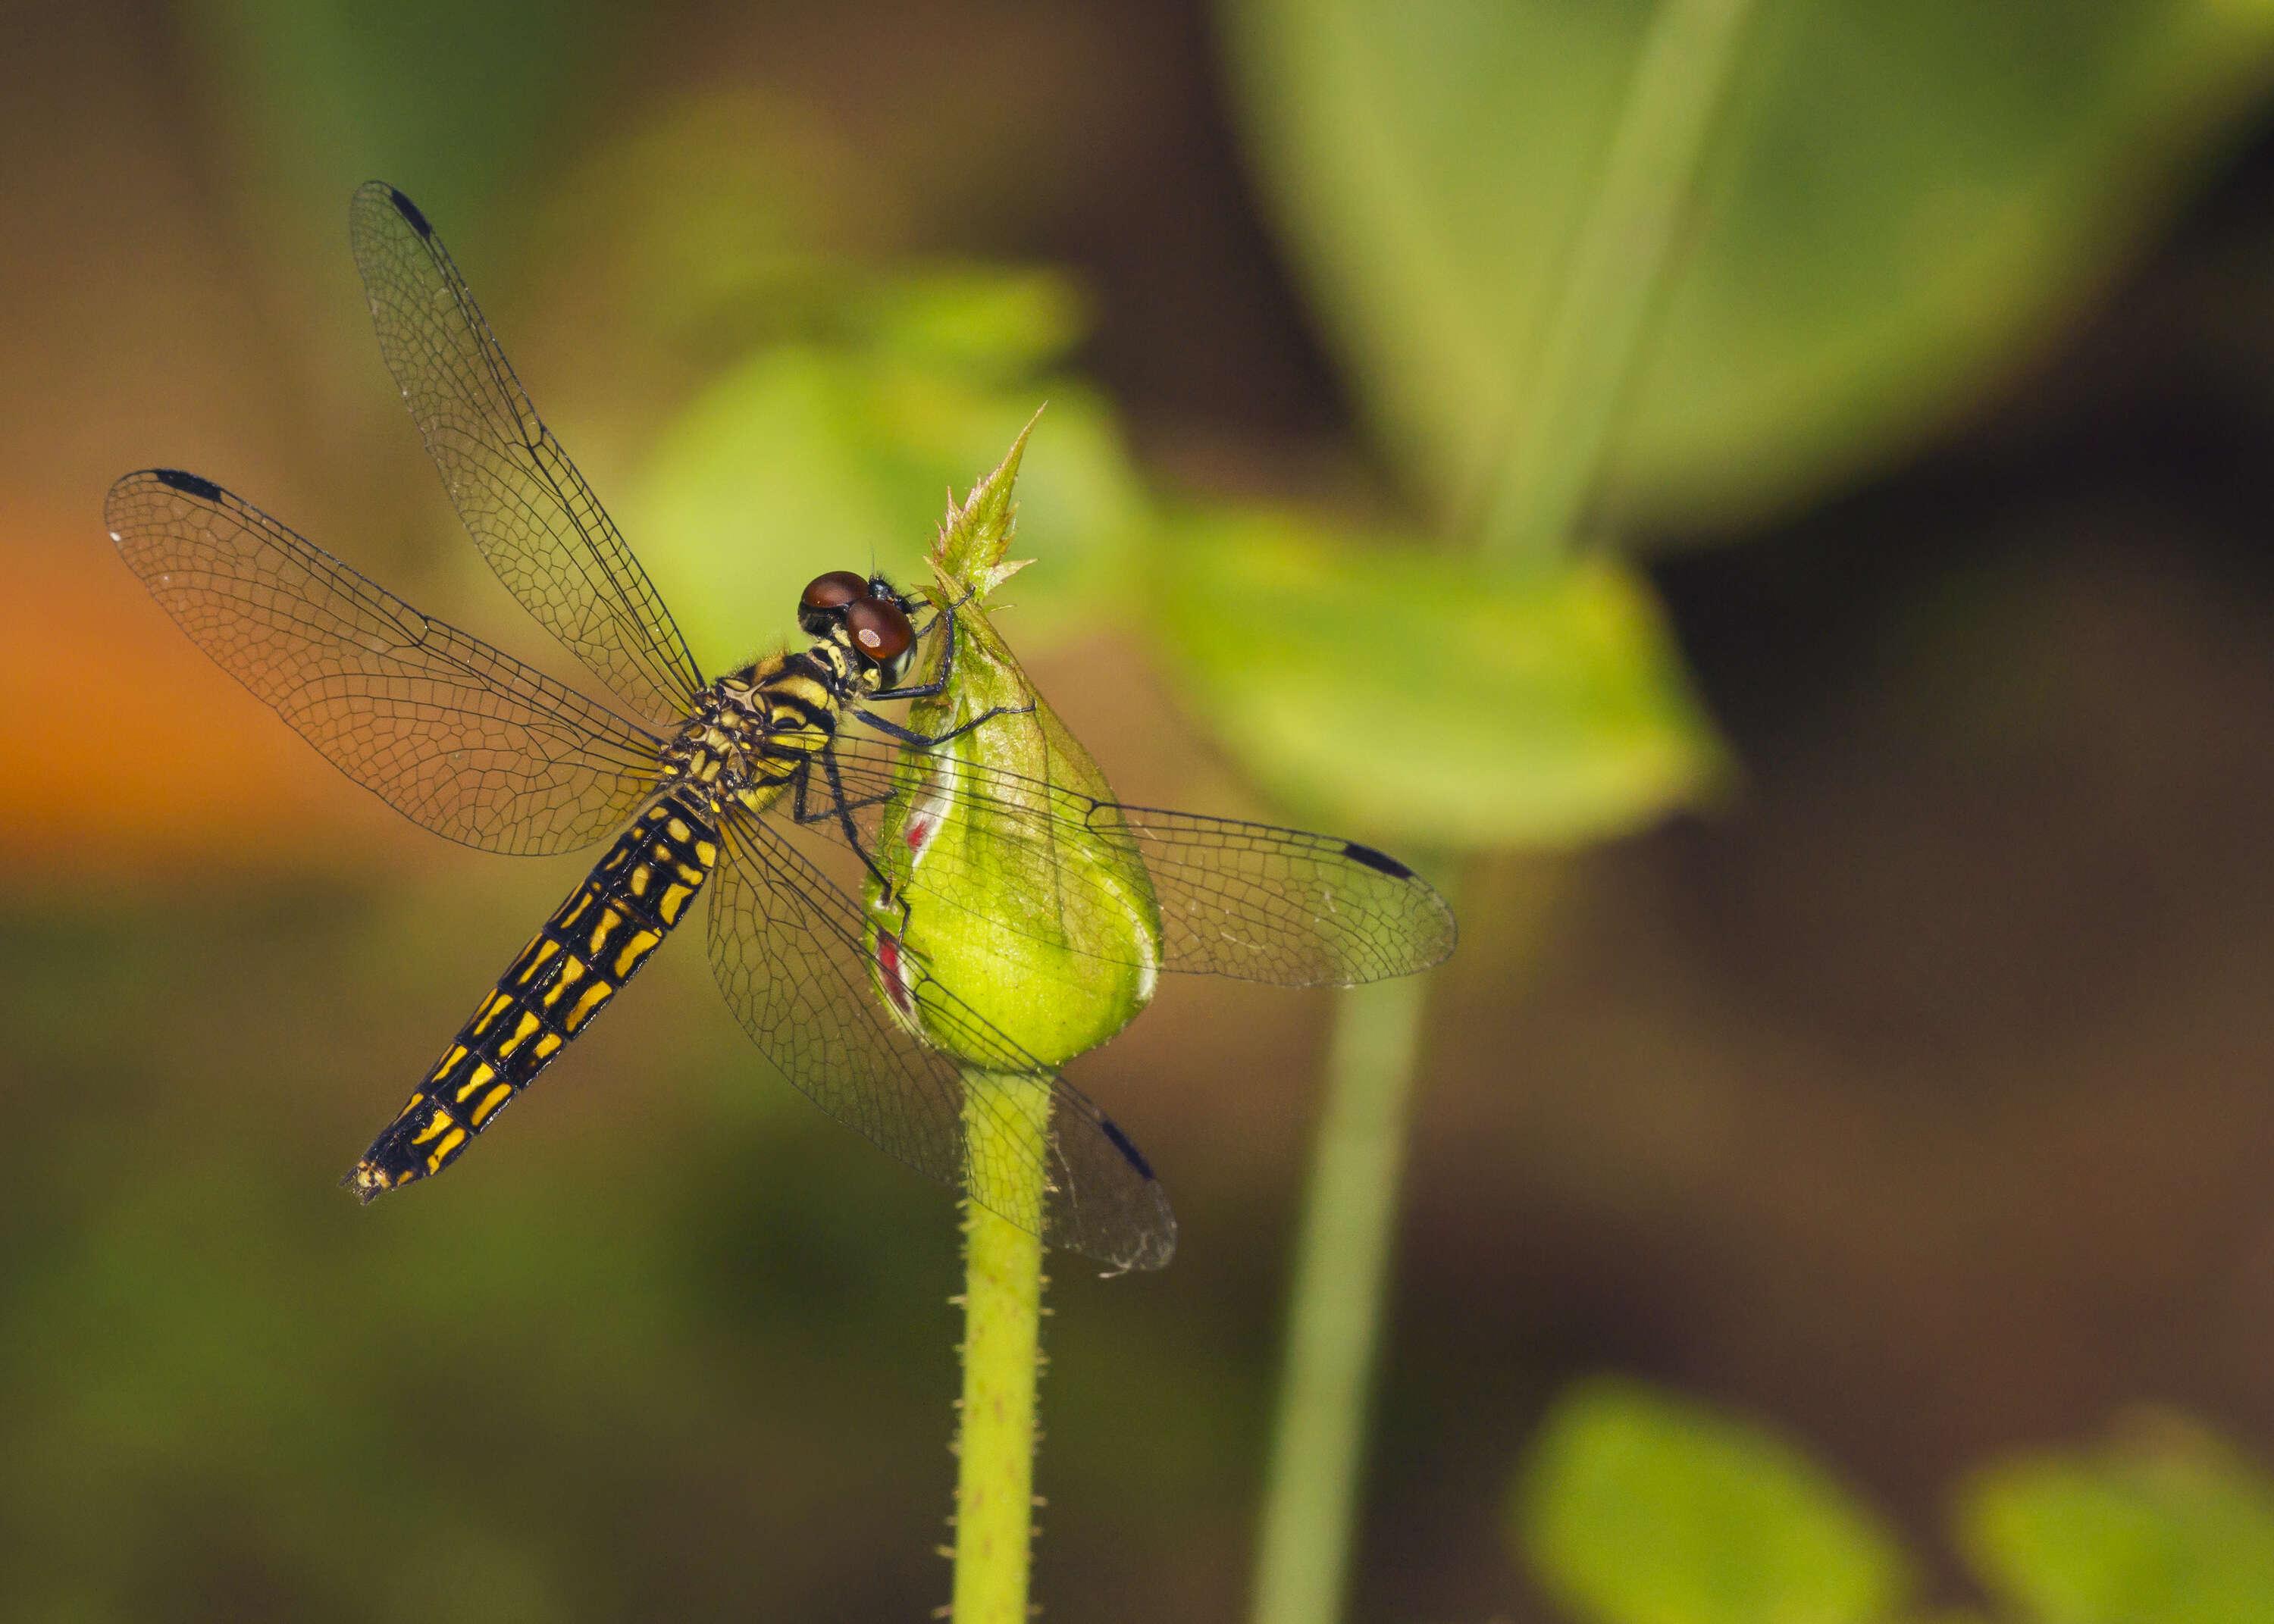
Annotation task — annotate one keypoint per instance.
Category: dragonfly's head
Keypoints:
(864, 616)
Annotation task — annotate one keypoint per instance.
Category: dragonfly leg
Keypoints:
(842, 808)
(933, 691)
(938, 684)
(924, 741)
(840, 811)
(797, 808)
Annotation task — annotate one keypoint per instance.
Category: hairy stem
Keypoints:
(1616, 271)
(1002, 1349)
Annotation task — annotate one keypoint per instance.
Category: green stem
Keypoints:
(1002, 1355)
(1554, 466)
(1617, 267)
(1342, 1269)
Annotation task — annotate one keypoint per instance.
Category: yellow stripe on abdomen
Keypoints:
(595, 942)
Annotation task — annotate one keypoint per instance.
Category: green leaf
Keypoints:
(2164, 1526)
(726, 217)
(1899, 205)
(993, 325)
(807, 457)
(447, 98)
(1400, 692)
(1637, 1508)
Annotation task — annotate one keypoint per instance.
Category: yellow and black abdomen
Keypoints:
(594, 942)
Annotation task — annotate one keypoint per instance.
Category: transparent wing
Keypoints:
(447, 730)
(528, 509)
(1249, 900)
(789, 948)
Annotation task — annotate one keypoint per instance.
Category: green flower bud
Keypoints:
(1054, 940)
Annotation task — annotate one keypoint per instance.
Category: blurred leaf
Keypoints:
(730, 217)
(448, 99)
(2165, 1525)
(1637, 1508)
(805, 458)
(1442, 701)
(991, 325)
(459, 104)
(1901, 203)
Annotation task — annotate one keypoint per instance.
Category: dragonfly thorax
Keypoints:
(755, 730)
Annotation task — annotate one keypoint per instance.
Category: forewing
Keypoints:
(787, 946)
(1243, 900)
(449, 731)
(528, 509)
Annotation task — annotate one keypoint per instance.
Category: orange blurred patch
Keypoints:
(120, 741)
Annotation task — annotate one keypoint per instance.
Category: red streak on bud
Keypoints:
(888, 960)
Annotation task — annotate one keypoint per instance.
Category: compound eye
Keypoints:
(833, 590)
(878, 628)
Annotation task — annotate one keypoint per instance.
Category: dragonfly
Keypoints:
(751, 786)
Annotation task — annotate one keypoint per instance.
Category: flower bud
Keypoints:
(1007, 889)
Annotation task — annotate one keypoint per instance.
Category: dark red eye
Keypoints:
(879, 630)
(833, 590)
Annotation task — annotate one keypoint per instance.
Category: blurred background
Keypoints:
(1860, 1025)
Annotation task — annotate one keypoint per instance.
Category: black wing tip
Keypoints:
(1380, 862)
(408, 210)
(1159, 1243)
(1121, 1142)
(188, 485)
(1439, 947)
